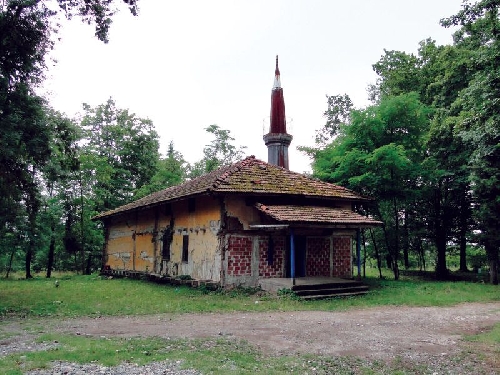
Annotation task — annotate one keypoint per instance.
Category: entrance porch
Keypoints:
(315, 287)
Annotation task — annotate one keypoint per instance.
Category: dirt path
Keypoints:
(428, 336)
(375, 333)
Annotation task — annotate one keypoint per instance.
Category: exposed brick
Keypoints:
(239, 256)
(276, 268)
(318, 256)
(342, 256)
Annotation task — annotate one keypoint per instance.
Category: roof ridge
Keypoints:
(231, 169)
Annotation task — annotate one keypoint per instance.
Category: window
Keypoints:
(270, 251)
(191, 204)
(185, 248)
(166, 241)
(168, 210)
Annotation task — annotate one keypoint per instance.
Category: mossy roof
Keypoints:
(250, 176)
(315, 214)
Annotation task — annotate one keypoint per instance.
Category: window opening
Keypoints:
(185, 248)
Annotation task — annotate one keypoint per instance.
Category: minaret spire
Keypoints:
(277, 140)
(277, 81)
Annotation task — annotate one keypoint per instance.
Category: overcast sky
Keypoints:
(188, 64)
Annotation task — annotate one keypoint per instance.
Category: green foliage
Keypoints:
(479, 116)
(220, 152)
(36, 143)
(337, 114)
(171, 171)
(489, 336)
(379, 154)
(120, 153)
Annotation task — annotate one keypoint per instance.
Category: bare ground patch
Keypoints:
(419, 334)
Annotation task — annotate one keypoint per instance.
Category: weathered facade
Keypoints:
(240, 224)
(237, 225)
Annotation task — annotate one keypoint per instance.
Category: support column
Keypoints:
(358, 251)
(292, 256)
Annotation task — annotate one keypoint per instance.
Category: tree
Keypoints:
(337, 114)
(437, 74)
(26, 28)
(171, 170)
(121, 153)
(220, 152)
(480, 116)
(57, 174)
(379, 154)
(118, 156)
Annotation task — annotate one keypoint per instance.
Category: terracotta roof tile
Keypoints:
(250, 176)
(315, 214)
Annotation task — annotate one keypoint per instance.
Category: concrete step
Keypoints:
(326, 296)
(333, 285)
(331, 291)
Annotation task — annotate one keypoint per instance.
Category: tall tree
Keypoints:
(171, 170)
(437, 74)
(26, 28)
(119, 155)
(379, 154)
(480, 116)
(220, 152)
(57, 174)
(121, 152)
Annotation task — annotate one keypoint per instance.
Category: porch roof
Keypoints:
(316, 214)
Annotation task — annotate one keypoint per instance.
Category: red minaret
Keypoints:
(277, 140)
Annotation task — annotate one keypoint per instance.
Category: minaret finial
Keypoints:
(277, 140)
(277, 79)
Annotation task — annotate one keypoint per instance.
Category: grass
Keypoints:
(487, 344)
(97, 296)
(210, 356)
(220, 356)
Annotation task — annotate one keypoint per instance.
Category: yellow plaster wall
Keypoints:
(120, 246)
(144, 244)
(132, 240)
(202, 225)
(236, 207)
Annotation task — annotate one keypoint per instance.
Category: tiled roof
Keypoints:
(315, 214)
(249, 176)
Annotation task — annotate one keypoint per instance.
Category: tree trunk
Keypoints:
(494, 272)
(395, 267)
(492, 252)
(439, 237)
(50, 255)
(377, 254)
(28, 259)
(30, 251)
(11, 259)
(464, 209)
(406, 244)
(441, 270)
(463, 254)
(88, 268)
(82, 233)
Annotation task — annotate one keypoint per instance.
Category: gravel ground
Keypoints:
(430, 337)
(155, 368)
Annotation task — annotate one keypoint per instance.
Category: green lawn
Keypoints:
(93, 295)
